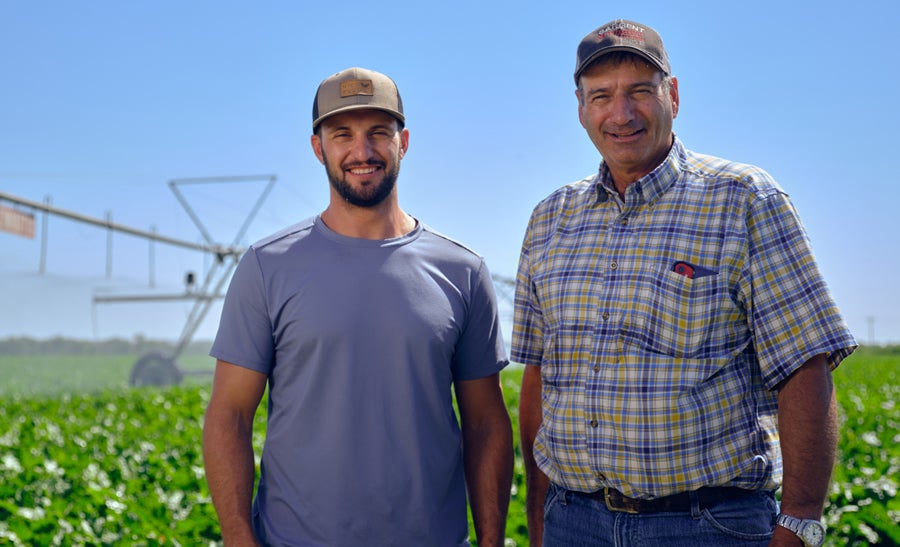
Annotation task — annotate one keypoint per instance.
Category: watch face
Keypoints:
(813, 533)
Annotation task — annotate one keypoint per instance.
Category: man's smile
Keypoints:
(363, 170)
(626, 134)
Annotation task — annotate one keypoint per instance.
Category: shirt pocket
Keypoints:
(672, 314)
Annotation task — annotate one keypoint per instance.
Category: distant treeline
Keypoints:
(112, 346)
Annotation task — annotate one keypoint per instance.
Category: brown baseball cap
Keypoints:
(622, 35)
(356, 88)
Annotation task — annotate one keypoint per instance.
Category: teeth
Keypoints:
(366, 171)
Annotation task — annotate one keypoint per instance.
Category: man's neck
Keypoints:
(382, 222)
(624, 176)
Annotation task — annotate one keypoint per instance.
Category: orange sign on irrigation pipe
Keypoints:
(16, 222)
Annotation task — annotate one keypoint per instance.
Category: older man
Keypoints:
(677, 333)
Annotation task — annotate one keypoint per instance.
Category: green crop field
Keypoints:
(86, 460)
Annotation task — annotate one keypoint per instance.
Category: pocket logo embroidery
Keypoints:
(690, 271)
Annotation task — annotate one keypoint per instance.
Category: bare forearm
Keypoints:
(487, 455)
(536, 485)
(230, 469)
(807, 423)
(488, 460)
(536, 482)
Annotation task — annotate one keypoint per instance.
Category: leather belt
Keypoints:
(681, 502)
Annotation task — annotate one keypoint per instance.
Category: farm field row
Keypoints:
(85, 460)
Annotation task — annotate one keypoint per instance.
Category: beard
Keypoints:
(367, 196)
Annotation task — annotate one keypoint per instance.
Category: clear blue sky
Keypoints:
(102, 102)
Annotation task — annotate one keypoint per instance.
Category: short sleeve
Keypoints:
(480, 351)
(527, 324)
(245, 336)
(792, 313)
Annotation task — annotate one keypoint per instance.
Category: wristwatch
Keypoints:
(810, 532)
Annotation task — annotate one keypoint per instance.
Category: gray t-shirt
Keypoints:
(361, 341)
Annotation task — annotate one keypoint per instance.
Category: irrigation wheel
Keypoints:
(155, 369)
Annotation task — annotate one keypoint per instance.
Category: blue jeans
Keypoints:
(573, 519)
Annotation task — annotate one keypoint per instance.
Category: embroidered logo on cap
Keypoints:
(622, 30)
(350, 88)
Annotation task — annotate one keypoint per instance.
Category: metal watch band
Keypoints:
(810, 532)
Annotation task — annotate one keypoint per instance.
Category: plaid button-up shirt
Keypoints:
(663, 322)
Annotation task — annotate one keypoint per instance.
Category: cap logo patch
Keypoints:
(634, 34)
(350, 88)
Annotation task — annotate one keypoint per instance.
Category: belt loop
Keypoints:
(695, 504)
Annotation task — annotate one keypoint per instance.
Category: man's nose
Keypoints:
(361, 148)
(622, 109)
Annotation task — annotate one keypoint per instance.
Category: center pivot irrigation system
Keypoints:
(156, 368)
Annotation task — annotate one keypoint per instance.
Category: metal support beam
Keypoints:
(224, 263)
(219, 250)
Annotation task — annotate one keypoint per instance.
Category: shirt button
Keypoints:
(625, 221)
(605, 315)
(596, 368)
(594, 423)
(613, 265)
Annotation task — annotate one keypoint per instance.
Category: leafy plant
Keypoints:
(85, 460)
(108, 469)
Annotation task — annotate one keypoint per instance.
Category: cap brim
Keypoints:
(350, 107)
(590, 60)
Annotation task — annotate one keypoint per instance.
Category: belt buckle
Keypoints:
(623, 509)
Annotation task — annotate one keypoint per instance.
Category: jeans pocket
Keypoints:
(750, 518)
(553, 494)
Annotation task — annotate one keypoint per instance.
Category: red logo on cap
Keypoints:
(628, 34)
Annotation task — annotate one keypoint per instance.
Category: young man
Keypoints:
(677, 332)
(360, 320)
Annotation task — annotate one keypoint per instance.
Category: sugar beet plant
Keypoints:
(864, 508)
(106, 469)
(124, 467)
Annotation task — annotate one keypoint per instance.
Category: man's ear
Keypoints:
(316, 143)
(404, 142)
(580, 115)
(673, 96)
(578, 98)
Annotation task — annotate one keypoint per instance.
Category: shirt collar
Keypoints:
(651, 186)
